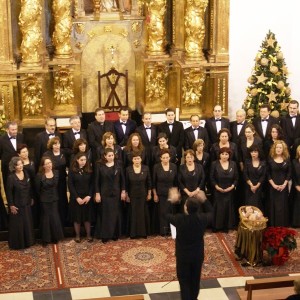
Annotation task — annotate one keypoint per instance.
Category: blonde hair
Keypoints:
(285, 153)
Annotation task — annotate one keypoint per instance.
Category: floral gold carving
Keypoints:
(64, 87)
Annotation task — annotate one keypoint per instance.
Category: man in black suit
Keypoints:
(195, 132)
(214, 124)
(8, 147)
(291, 127)
(97, 128)
(264, 122)
(124, 127)
(237, 128)
(42, 139)
(148, 133)
(174, 131)
(73, 134)
(190, 229)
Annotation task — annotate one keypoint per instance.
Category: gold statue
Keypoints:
(63, 87)
(62, 28)
(30, 26)
(156, 84)
(192, 87)
(125, 6)
(32, 97)
(195, 28)
(156, 30)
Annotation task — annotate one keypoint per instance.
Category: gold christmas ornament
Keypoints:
(279, 55)
(280, 84)
(271, 41)
(272, 97)
(275, 113)
(274, 69)
(253, 92)
(284, 105)
(251, 79)
(264, 61)
(288, 91)
(285, 70)
(250, 112)
(261, 78)
(258, 56)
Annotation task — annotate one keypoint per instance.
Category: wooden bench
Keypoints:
(268, 288)
(132, 297)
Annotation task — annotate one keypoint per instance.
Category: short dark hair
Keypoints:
(170, 109)
(266, 106)
(294, 102)
(192, 205)
(225, 150)
(99, 109)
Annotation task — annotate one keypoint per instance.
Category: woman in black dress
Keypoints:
(224, 141)
(191, 176)
(19, 198)
(275, 134)
(47, 189)
(110, 191)
(30, 168)
(162, 141)
(295, 199)
(80, 183)
(59, 160)
(224, 178)
(109, 141)
(81, 146)
(138, 188)
(279, 174)
(134, 144)
(164, 177)
(254, 175)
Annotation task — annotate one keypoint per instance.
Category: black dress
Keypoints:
(117, 151)
(224, 214)
(137, 186)
(127, 158)
(255, 175)
(51, 228)
(19, 194)
(215, 151)
(295, 203)
(277, 209)
(60, 164)
(244, 150)
(109, 183)
(80, 185)
(156, 154)
(162, 182)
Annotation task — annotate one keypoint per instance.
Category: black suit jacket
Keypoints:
(291, 133)
(189, 137)
(211, 128)
(95, 133)
(69, 139)
(258, 127)
(235, 137)
(40, 146)
(120, 136)
(142, 131)
(176, 138)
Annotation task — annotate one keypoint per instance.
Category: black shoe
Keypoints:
(104, 241)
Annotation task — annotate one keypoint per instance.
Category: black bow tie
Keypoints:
(51, 134)
(264, 120)
(147, 128)
(293, 117)
(218, 120)
(123, 123)
(77, 132)
(240, 123)
(12, 138)
(195, 128)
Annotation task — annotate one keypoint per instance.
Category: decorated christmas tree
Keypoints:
(268, 82)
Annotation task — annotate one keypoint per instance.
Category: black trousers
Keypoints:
(188, 274)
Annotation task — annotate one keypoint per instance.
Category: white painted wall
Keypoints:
(249, 23)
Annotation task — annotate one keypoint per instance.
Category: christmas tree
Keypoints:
(268, 82)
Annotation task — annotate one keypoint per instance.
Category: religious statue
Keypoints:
(63, 87)
(32, 97)
(125, 6)
(108, 5)
(195, 28)
(156, 84)
(30, 26)
(62, 28)
(155, 27)
(192, 87)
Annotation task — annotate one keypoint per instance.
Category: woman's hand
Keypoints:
(97, 197)
(155, 198)
(123, 196)
(13, 209)
(86, 199)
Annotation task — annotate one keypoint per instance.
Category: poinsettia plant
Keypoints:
(279, 241)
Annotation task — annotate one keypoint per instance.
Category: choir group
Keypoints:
(116, 175)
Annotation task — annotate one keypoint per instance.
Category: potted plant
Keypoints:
(278, 242)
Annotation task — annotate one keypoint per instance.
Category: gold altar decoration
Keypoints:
(30, 26)
(63, 87)
(62, 28)
(97, 7)
(156, 10)
(156, 89)
(192, 87)
(195, 28)
(32, 96)
(108, 5)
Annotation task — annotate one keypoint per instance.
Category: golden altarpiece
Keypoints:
(176, 54)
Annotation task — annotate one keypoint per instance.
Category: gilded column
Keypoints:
(156, 12)
(194, 28)
(30, 26)
(62, 28)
